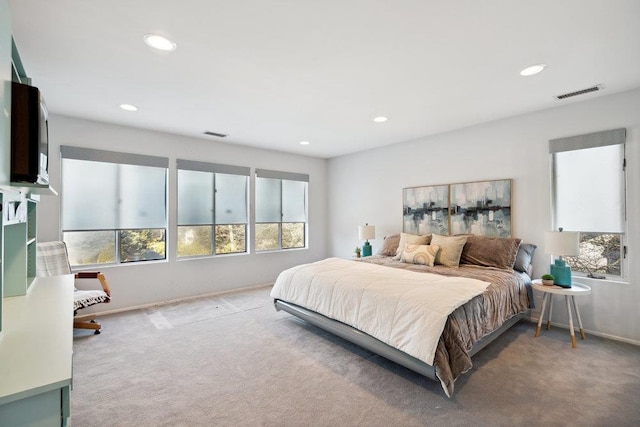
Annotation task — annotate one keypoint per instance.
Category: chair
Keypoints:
(52, 259)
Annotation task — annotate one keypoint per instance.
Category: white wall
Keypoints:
(149, 282)
(367, 187)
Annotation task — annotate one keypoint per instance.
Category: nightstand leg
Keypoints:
(550, 312)
(575, 307)
(544, 305)
(573, 334)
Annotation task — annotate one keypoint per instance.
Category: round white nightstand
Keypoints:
(576, 289)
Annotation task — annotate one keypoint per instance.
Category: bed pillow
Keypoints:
(524, 257)
(420, 254)
(390, 245)
(490, 251)
(450, 249)
(410, 239)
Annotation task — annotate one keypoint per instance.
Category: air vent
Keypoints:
(580, 92)
(219, 135)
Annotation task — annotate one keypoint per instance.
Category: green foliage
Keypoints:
(99, 247)
(231, 238)
(106, 254)
(137, 245)
(90, 247)
(547, 277)
(194, 241)
(292, 235)
(267, 236)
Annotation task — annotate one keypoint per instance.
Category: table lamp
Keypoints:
(366, 232)
(561, 243)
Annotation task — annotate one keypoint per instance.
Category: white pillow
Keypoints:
(410, 239)
(420, 254)
(450, 249)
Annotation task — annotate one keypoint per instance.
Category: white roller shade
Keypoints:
(106, 196)
(195, 197)
(589, 189)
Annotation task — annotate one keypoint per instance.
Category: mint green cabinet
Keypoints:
(36, 354)
(38, 410)
(19, 242)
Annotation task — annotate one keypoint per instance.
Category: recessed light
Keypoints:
(380, 119)
(159, 42)
(534, 69)
(304, 143)
(128, 107)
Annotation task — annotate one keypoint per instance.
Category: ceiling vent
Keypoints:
(580, 92)
(219, 135)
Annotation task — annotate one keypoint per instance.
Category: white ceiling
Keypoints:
(272, 73)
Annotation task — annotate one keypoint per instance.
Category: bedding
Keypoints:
(411, 239)
(402, 308)
(390, 245)
(420, 254)
(490, 251)
(524, 258)
(450, 249)
(333, 289)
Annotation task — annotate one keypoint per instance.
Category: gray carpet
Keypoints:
(232, 360)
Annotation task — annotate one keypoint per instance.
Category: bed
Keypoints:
(428, 303)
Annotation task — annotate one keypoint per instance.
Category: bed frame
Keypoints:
(372, 344)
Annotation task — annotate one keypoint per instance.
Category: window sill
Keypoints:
(196, 257)
(608, 281)
(93, 267)
(281, 250)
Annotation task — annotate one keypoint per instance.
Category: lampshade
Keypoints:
(366, 232)
(562, 243)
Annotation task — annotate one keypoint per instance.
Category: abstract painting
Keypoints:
(482, 208)
(426, 210)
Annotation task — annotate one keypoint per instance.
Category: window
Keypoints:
(212, 209)
(589, 197)
(281, 210)
(114, 206)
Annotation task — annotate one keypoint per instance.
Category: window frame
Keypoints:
(214, 169)
(283, 176)
(584, 142)
(118, 158)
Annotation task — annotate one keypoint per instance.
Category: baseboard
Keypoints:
(588, 331)
(189, 298)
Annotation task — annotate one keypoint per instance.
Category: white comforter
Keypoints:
(404, 309)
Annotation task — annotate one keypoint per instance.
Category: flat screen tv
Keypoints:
(29, 136)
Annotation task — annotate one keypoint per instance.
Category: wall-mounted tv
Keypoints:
(29, 135)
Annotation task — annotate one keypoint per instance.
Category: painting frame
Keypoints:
(477, 207)
(426, 209)
(481, 207)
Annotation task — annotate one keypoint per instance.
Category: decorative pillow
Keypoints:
(390, 245)
(420, 254)
(490, 251)
(450, 249)
(410, 239)
(524, 257)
